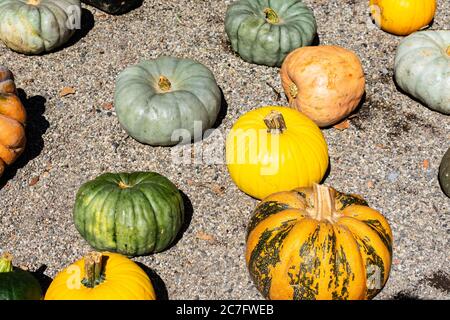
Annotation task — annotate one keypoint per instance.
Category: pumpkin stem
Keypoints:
(93, 269)
(6, 263)
(275, 122)
(123, 185)
(271, 16)
(164, 83)
(324, 205)
(293, 90)
(34, 2)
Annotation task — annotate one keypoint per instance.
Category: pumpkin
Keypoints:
(15, 283)
(273, 149)
(444, 173)
(422, 68)
(101, 276)
(37, 26)
(162, 101)
(317, 243)
(264, 32)
(114, 6)
(130, 213)
(402, 17)
(326, 82)
(12, 121)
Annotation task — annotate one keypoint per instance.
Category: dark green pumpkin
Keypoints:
(444, 173)
(265, 31)
(17, 284)
(114, 6)
(131, 213)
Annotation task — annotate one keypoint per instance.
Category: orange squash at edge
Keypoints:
(12, 121)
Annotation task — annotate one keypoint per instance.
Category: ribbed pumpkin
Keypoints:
(101, 276)
(402, 17)
(315, 244)
(114, 6)
(273, 149)
(422, 68)
(265, 31)
(160, 101)
(130, 213)
(326, 82)
(444, 173)
(12, 121)
(37, 26)
(15, 283)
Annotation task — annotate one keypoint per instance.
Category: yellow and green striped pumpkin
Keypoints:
(318, 244)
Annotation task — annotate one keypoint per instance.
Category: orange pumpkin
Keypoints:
(12, 121)
(326, 82)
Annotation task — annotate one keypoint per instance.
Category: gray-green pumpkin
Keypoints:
(167, 100)
(37, 26)
(131, 213)
(444, 173)
(422, 68)
(265, 31)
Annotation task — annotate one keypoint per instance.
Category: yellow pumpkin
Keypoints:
(318, 244)
(273, 149)
(101, 276)
(402, 17)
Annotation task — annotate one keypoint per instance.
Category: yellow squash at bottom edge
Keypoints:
(272, 149)
(101, 276)
(318, 244)
(402, 17)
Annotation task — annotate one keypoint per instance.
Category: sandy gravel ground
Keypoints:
(390, 154)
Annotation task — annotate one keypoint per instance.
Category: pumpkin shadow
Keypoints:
(188, 213)
(86, 25)
(44, 280)
(316, 40)
(158, 283)
(222, 112)
(36, 127)
(403, 295)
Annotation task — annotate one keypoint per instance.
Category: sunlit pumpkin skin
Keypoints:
(444, 173)
(318, 244)
(15, 283)
(422, 68)
(326, 82)
(265, 31)
(38, 26)
(267, 154)
(118, 278)
(12, 121)
(402, 17)
(157, 100)
(130, 213)
(114, 6)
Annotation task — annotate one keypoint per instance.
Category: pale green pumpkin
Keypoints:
(163, 101)
(422, 68)
(37, 26)
(265, 31)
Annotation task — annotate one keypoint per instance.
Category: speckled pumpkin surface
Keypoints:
(317, 243)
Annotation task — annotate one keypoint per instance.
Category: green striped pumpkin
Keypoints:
(444, 173)
(130, 213)
(265, 31)
(318, 244)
